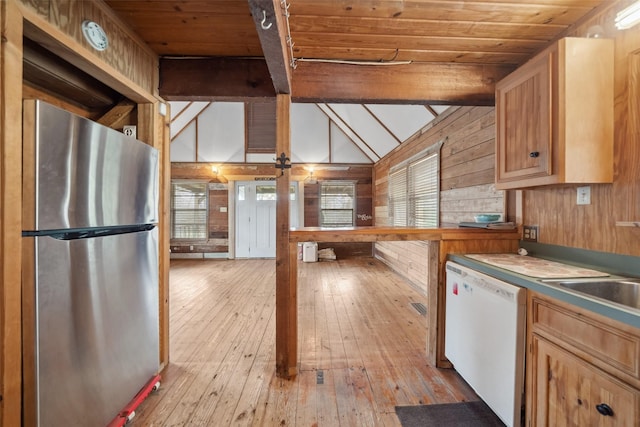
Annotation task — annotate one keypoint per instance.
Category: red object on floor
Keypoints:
(129, 411)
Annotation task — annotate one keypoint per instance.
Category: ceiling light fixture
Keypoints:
(628, 17)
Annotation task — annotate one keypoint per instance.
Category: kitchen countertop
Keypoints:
(618, 312)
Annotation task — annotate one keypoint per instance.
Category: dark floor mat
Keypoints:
(463, 414)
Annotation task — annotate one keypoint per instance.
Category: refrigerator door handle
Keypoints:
(87, 233)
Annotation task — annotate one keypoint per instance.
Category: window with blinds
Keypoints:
(261, 126)
(337, 203)
(423, 192)
(189, 204)
(414, 190)
(398, 197)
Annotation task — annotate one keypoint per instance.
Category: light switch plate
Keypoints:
(584, 195)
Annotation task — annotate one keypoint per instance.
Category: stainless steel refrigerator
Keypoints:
(90, 281)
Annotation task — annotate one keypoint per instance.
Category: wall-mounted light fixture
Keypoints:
(310, 179)
(628, 17)
(215, 170)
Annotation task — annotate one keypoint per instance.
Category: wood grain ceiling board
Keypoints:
(481, 31)
(488, 32)
(192, 27)
(442, 37)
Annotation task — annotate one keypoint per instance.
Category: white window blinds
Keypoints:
(414, 190)
(337, 203)
(189, 203)
(423, 192)
(398, 197)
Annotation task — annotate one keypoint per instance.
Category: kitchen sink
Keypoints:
(621, 291)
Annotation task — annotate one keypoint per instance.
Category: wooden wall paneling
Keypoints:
(461, 204)
(311, 205)
(561, 221)
(348, 249)
(286, 254)
(219, 217)
(10, 213)
(467, 167)
(409, 259)
(128, 65)
(632, 171)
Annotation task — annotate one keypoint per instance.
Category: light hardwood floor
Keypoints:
(361, 348)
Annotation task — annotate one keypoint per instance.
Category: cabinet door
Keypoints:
(524, 133)
(566, 391)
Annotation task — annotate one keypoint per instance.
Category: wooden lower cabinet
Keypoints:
(569, 392)
(583, 369)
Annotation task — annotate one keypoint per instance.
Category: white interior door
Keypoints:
(256, 218)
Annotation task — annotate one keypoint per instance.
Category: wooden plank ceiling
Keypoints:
(346, 50)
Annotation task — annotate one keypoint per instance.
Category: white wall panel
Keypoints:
(309, 134)
(177, 107)
(402, 120)
(348, 131)
(183, 147)
(221, 133)
(184, 115)
(440, 108)
(366, 127)
(355, 132)
(261, 158)
(344, 150)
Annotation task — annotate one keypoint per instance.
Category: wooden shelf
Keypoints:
(376, 234)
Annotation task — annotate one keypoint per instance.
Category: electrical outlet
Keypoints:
(584, 195)
(530, 233)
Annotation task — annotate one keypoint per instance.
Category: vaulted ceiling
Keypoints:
(357, 53)
(379, 51)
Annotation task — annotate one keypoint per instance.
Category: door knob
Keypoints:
(534, 154)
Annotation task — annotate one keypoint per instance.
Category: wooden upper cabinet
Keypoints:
(554, 117)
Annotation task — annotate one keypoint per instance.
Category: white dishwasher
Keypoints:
(485, 338)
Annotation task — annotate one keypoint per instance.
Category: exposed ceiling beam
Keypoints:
(416, 83)
(233, 79)
(214, 79)
(271, 23)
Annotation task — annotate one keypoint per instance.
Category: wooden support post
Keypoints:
(10, 213)
(286, 286)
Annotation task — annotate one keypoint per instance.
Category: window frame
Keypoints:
(173, 210)
(402, 184)
(353, 209)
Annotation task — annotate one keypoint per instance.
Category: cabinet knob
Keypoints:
(534, 154)
(604, 409)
